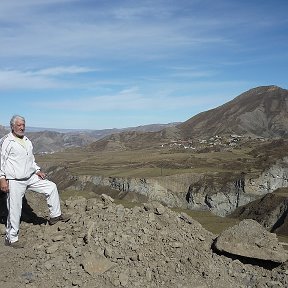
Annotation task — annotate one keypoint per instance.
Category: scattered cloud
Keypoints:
(55, 71)
(150, 56)
(14, 80)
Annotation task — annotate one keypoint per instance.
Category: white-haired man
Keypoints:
(18, 172)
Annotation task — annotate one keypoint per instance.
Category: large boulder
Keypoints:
(252, 240)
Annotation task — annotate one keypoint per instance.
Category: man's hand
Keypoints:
(4, 185)
(41, 174)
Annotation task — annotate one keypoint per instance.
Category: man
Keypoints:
(18, 172)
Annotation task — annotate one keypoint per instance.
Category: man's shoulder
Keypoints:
(7, 138)
(4, 138)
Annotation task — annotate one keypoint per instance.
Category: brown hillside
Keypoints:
(127, 140)
(261, 111)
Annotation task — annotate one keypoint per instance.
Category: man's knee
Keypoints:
(52, 185)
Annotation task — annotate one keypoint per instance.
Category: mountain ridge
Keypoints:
(49, 140)
(258, 112)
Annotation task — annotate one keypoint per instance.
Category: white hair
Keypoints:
(14, 118)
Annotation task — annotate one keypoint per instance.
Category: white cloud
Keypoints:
(55, 71)
(39, 79)
(125, 99)
(97, 32)
(12, 79)
(130, 99)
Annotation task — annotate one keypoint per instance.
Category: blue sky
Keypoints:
(114, 64)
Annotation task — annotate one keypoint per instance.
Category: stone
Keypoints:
(96, 264)
(250, 239)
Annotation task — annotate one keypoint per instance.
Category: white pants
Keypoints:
(17, 190)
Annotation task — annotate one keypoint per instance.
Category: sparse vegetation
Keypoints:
(247, 156)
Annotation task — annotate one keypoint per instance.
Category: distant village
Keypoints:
(215, 143)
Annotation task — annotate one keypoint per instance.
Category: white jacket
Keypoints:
(16, 161)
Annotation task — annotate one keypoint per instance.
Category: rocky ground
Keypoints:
(108, 245)
(271, 211)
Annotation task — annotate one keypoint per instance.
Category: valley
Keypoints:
(162, 161)
(174, 169)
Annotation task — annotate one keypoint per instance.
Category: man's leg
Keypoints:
(14, 205)
(49, 189)
(3, 208)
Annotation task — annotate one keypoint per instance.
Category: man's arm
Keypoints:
(4, 185)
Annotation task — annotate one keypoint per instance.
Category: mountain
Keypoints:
(100, 133)
(53, 140)
(50, 141)
(259, 112)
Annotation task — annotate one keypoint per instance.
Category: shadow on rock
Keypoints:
(28, 215)
(266, 264)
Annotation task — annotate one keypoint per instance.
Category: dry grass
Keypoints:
(209, 221)
(160, 162)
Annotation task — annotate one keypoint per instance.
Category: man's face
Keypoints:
(19, 128)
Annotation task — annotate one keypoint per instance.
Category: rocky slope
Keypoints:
(107, 245)
(271, 211)
(223, 197)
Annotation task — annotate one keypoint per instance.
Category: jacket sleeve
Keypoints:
(3, 156)
(35, 165)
